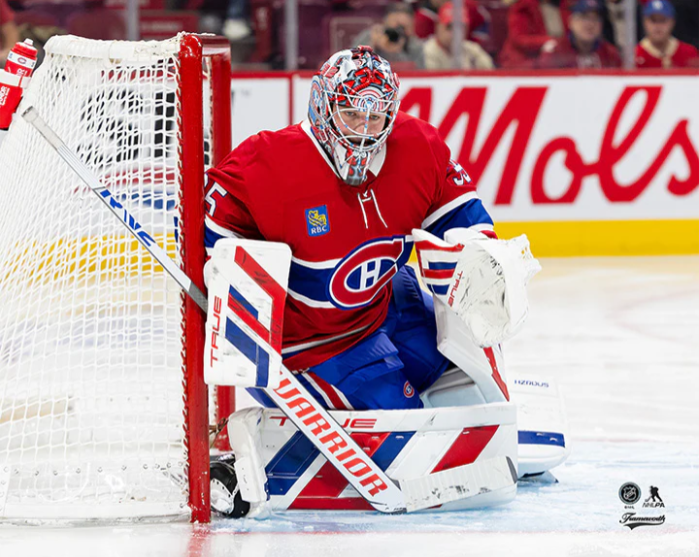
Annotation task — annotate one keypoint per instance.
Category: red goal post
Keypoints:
(217, 51)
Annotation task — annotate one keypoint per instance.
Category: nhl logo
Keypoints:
(629, 493)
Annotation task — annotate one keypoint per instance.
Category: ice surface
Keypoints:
(621, 337)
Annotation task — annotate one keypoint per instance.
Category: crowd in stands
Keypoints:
(511, 34)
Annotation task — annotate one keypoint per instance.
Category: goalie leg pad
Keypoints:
(544, 442)
(485, 366)
(246, 442)
(412, 444)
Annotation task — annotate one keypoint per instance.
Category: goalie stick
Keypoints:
(336, 445)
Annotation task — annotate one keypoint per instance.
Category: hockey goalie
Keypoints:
(308, 233)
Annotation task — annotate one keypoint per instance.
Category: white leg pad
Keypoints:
(453, 388)
(246, 442)
(543, 427)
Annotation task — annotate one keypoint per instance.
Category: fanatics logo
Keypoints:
(317, 221)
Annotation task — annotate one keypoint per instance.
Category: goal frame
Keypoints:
(68, 272)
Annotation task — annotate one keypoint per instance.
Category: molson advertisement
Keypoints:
(584, 164)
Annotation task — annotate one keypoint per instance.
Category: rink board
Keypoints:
(592, 163)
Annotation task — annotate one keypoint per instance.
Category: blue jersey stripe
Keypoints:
(211, 237)
(310, 283)
(466, 215)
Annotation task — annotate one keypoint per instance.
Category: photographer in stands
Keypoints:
(9, 33)
(395, 39)
(583, 46)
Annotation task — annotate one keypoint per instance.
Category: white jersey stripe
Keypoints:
(328, 264)
(311, 303)
(342, 396)
(444, 209)
(211, 225)
(313, 344)
(320, 391)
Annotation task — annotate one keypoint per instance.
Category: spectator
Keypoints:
(531, 24)
(427, 17)
(438, 48)
(659, 49)
(583, 46)
(9, 34)
(237, 27)
(395, 39)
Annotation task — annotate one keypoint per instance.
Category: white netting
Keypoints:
(91, 397)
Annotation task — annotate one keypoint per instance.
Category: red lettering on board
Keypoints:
(522, 111)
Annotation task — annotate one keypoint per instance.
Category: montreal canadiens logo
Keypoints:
(408, 390)
(364, 272)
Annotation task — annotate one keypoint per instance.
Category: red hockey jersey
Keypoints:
(677, 55)
(347, 242)
(564, 54)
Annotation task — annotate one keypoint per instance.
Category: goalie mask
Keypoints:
(353, 105)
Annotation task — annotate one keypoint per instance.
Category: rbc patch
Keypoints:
(317, 221)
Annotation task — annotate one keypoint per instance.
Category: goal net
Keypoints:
(102, 407)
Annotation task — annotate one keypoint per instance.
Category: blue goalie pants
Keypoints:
(388, 369)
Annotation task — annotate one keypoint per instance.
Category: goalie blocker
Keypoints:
(467, 452)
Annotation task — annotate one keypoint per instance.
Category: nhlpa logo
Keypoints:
(317, 221)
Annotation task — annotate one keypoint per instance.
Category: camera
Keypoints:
(395, 34)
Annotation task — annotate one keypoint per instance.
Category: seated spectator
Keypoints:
(659, 49)
(438, 48)
(395, 39)
(427, 17)
(237, 25)
(9, 34)
(531, 24)
(583, 46)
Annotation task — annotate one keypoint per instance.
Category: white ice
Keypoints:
(621, 337)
